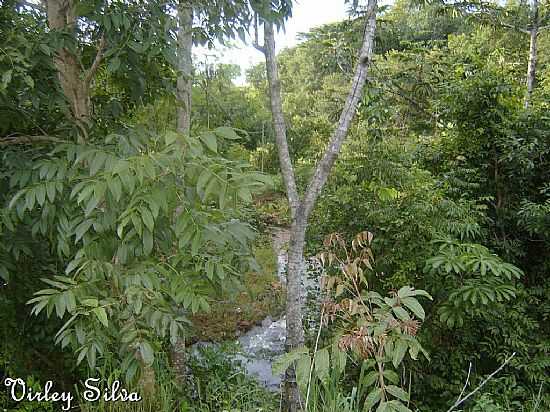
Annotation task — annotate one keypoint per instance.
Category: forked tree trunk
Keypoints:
(301, 207)
(62, 17)
(185, 67)
(74, 79)
(532, 65)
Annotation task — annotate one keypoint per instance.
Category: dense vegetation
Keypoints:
(120, 235)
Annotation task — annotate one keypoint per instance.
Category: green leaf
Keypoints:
(397, 392)
(282, 363)
(399, 352)
(407, 291)
(82, 228)
(203, 179)
(401, 313)
(51, 191)
(227, 133)
(383, 407)
(101, 315)
(322, 364)
(370, 378)
(147, 242)
(131, 371)
(115, 188)
(113, 65)
(372, 399)
(303, 367)
(147, 218)
(414, 306)
(147, 353)
(245, 195)
(92, 302)
(398, 406)
(391, 376)
(45, 49)
(41, 195)
(210, 141)
(170, 137)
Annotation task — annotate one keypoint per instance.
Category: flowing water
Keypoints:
(262, 344)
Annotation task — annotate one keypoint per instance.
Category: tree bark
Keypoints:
(279, 125)
(74, 79)
(184, 89)
(185, 67)
(301, 209)
(178, 360)
(62, 17)
(532, 65)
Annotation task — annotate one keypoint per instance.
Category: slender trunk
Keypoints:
(185, 67)
(184, 89)
(178, 360)
(278, 117)
(294, 329)
(532, 65)
(62, 17)
(301, 209)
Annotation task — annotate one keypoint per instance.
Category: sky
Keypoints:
(306, 14)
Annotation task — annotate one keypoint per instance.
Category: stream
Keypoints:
(262, 344)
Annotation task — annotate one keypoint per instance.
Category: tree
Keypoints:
(205, 22)
(301, 207)
(100, 239)
(531, 19)
(215, 21)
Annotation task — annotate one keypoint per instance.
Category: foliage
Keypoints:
(138, 226)
(219, 383)
(377, 332)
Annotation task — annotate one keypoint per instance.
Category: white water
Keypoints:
(261, 345)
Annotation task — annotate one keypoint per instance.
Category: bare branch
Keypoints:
(543, 28)
(467, 380)
(38, 139)
(97, 61)
(256, 42)
(325, 164)
(279, 125)
(461, 400)
(510, 26)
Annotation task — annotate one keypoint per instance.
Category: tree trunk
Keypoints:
(178, 360)
(184, 89)
(301, 209)
(185, 67)
(532, 65)
(62, 17)
(294, 329)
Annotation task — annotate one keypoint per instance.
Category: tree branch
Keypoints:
(510, 26)
(337, 139)
(256, 42)
(97, 61)
(279, 125)
(461, 400)
(38, 139)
